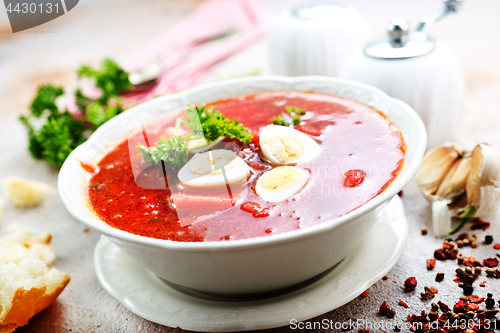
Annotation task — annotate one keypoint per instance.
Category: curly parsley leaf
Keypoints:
(202, 121)
(215, 125)
(59, 137)
(294, 109)
(281, 121)
(110, 78)
(56, 139)
(294, 112)
(52, 134)
(82, 101)
(98, 114)
(45, 99)
(173, 152)
(35, 147)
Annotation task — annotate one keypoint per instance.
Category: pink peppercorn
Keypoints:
(410, 283)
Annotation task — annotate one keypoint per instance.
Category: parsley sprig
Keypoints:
(294, 112)
(54, 134)
(173, 151)
(203, 122)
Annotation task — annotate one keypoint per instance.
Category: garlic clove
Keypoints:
(483, 184)
(460, 183)
(435, 166)
(490, 199)
(441, 218)
(454, 183)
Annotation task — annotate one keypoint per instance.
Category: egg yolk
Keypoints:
(284, 147)
(211, 163)
(281, 178)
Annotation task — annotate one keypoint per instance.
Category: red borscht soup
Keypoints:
(332, 156)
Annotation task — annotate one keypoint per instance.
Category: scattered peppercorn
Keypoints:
(468, 289)
(466, 241)
(424, 231)
(410, 283)
(464, 298)
(488, 239)
(446, 253)
(490, 302)
(460, 260)
(424, 296)
(468, 270)
(477, 262)
(439, 277)
(474, 244)
(460, 243)
(391, 313)
(477, 270)
(384, 309)
(434, 306)
(490, 272)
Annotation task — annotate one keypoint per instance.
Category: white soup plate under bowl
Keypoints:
(254, 265)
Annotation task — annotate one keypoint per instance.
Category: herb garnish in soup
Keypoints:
(248, 166)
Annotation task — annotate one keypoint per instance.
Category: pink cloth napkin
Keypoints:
(247, 17)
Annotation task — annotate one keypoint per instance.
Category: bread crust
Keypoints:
(26, 303)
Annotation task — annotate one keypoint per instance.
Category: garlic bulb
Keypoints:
(460, 183)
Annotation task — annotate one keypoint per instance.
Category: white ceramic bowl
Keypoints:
(252, 265)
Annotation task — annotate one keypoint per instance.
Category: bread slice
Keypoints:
(27, 284)
(24, 192)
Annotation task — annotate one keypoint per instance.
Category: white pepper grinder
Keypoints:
(412, 67)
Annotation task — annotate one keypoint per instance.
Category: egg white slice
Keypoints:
(283, 145)
(281, 183)
(205, 170)
(200, 145)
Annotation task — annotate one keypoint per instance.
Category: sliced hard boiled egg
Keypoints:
(199, 145)
(281, 183)
(284, 145)
(214, 168)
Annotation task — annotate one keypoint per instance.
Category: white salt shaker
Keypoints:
(315, 38)
(418, 70)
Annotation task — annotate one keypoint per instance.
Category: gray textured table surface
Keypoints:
(93, 30)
